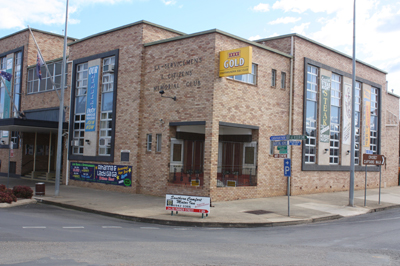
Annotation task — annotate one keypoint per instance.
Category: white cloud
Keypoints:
(261, 7)
(169, 2)
(20, 13)
(257, 37)
(284, 20)
(300, 29)
(313, 5)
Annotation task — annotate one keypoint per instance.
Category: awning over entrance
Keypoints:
(30, 125)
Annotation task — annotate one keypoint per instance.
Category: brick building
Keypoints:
(148, 111)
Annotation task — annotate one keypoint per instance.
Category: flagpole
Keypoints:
(351, 187)
(47, 68)
(61, 110)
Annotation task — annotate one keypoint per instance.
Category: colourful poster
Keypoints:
(120, 175)
(347, 111)
(325, 109)
(91, 99)
(366, 117)
(7, 100)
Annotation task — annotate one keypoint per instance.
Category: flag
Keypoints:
(6, 75)
(39, 64)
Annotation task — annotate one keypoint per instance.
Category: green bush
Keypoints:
(23, 192)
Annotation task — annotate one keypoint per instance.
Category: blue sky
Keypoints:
(327, 22)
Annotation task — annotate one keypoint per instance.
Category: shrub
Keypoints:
(2, 187)
(23, 192)
(5, 197)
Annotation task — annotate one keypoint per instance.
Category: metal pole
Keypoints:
(353, 106)
(61, 110)
(288, 195)
(9, 163)
(380, 181)
(365, 189)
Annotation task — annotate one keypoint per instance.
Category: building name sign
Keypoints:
(172, 80)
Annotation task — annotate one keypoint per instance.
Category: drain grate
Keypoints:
(258, 212)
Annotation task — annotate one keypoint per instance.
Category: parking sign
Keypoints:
(286, 167)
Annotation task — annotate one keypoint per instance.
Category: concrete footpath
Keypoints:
(240, 213)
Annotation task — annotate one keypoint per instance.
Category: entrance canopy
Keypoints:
(30, 125)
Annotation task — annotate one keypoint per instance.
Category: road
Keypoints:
(38, 234)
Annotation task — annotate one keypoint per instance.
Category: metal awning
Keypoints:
(30, 125)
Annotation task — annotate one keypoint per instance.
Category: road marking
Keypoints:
(73, 227)
(149, 228)
(214, 228)
(180, 228)
(33, 227)
(111, 226)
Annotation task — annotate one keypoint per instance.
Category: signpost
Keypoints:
(186, 203)
(373, 159)
(281, 142)
(287, 171)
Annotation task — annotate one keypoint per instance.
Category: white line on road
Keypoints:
(149, 228)
(73, 227)
(111, 226)
(33, 227)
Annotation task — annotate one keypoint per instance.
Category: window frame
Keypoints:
(245, 78)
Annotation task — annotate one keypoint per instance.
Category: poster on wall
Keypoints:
(91, 99)
(120, 175)
(366, 117)
(347, 108)
(325, 109)
(235, 62)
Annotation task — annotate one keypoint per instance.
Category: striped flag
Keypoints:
(39, 64)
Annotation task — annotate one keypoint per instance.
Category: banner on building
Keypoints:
(325, 109)
(120, 175)
(235, 62)
(347, 111)
(91, 98)
(7, 100)
(366, 117)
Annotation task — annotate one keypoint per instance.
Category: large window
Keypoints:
(80, 107)
(248, 78)
(17, 84)
(374, 121)
(336, 88)
(311, 114)
(45, 84)
(106, 106)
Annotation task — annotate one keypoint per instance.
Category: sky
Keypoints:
(327, 22)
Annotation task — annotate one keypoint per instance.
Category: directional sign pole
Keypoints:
(365, 189)
(287, 172)
(380, 180)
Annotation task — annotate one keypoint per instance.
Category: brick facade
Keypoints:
(151, 58)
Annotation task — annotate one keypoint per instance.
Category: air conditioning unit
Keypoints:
(108, 68)
(75, 143)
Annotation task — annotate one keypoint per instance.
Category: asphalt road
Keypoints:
(39, 234)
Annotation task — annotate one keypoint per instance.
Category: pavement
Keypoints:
(272, 211)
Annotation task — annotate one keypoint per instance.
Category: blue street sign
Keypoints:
(283, 137)
(295, 142)
(369, 152)
(280, 143)
(286, 167)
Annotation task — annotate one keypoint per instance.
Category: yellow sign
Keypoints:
(235, 62)
(231, 183)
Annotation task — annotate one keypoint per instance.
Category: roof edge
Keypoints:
(127, 26)
(322, 45)
(33, 29)
(220, 32)
(392, 94)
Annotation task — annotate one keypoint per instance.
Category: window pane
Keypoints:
(177, 155)
(249, 155)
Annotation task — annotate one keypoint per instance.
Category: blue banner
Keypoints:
(91, 99)
(7, 100)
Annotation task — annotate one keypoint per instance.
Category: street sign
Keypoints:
(295, 142)
(286, 167)
(282, 137)
(280, 143)
(369, 151)
(373, 159)
(280, 156)
(297, 137)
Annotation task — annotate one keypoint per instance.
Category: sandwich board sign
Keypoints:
(186, 203)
